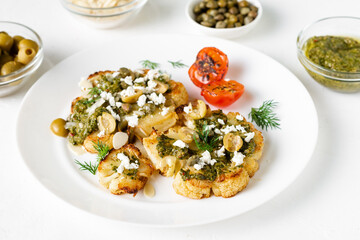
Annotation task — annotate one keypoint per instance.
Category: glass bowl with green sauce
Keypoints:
(329, 50)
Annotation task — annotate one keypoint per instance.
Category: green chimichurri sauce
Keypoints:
(337, 53)
(165, 147)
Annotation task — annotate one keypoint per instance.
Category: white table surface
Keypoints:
(324, 201)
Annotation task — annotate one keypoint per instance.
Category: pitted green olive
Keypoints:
(10, 67)
(25, 55)
(6, 41)
(27, 43)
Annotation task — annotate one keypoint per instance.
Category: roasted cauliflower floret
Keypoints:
(96, 137)
(213, 153)
(124, 170)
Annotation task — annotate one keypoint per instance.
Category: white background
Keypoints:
(323, 203)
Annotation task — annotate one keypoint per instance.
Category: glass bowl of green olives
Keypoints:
(224, 18)
(21, 54)
(103, 14)
(329, 50)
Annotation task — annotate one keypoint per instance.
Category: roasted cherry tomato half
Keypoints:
(211, 65)
(222, 93)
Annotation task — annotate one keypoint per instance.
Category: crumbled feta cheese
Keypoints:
(84, 84)
(93, 107)
(152, 73)
(140, 80)
(151, 86)
(217, 131)
(240, 128)
(238, 158)
(180, 144)
(228, 129)
(116, 116)
(239, 117)
(101, 133)
(188, 109)
(141, 100)
(69, 125)
(81, 125)
(165, 111)
(128, 80)
(209, 127)
(115, 74)
(133, 120)
(125, 163)
(107, 96)
(139, 113)
(118, 104)
(221, 121)
(157, 99)
(205, 159)
(220, 152)
(128, 92)
(249, 136)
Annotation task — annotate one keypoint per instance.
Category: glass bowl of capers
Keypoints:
(224, 18)
(21, 54)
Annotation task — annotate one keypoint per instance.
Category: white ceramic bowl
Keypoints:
(109, 17)
(229, 33)
(13, 81)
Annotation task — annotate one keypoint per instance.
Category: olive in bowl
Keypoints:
(21, 54)
(224, 18)
(329, 50)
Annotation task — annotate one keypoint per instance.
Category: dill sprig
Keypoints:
(95, 92)
(264, 116)
(87, 166)
(102, 151)
(149, 64)
(178, 64)
(205, 142)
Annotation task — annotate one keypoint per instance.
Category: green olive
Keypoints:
(58, 127)
(16, 39)
(10, 67)
(4, 58)
(6, 41)
(25, 55)
(27, 43)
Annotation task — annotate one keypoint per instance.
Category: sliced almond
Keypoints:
(120, 139)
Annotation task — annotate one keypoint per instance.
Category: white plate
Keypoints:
(286, 151)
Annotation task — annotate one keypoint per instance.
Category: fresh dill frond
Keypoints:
(88, 166)
(95, 92)
(178, 64)
(205, 142)
(149, 64)
(102, 150)
(264, 116)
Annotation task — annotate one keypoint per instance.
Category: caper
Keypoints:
(253, 8)
(231, 4)
(244, 11)
(212, 12)
(234, 10)
(248, 20)
(220, 24)
(232, 19)
(202, 5)
(227, 15)
(238, 24)
(219, 17)
(205, 17)
(197, 9)
(222, 10)
(199, 18)
(58, 127)
(6, 41)
(252, 14)
(230, 25)
(206, 24)
(10, 67)
(211, 4)
(243, 4)
(222, 3)
(240, 18)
